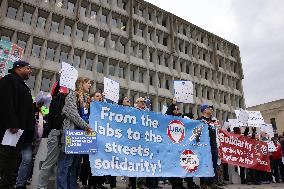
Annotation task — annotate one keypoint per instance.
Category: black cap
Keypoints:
(18, 64)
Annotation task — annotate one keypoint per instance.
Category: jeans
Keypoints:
(9, 157)
(53, 150)
(67, 171)
(278, 166)
(26, 165)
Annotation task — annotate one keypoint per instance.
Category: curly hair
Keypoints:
(83, 98)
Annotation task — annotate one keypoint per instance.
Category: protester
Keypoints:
(16, 112)
(140, 105)
(55, 122)
(68, 164)
(86, 174)
(253, 176)
(83, 104)
(174, 111)
(31, 147)
(207, 117)
(189, 180)
(277, 164)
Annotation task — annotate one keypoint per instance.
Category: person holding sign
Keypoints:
(68, 163)
(213, 124)
(16, 115)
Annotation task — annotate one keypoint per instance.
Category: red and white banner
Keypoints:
(242, 151)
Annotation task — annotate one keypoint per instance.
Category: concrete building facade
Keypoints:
(272, 112)
(139, 45)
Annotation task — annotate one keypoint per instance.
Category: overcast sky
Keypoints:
(256, 26)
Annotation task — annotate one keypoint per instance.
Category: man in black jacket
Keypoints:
(207, 112)
(16, 112)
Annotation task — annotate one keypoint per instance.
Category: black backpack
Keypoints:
(55, 116)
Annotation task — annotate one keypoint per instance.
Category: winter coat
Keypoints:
(16, 107)
(70, 110)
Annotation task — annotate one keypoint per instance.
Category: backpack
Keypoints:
(55, 116)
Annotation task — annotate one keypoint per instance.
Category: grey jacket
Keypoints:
(72, 119)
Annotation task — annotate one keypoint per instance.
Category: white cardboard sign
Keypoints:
(243, 117)
(183, 91)
(68, 76)
(231, 123)
(111, 89)
(268, 129)
(255, 118)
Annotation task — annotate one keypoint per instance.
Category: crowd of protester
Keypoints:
(70, 109)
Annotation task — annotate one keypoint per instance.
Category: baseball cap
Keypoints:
(18, 64)
(205, 106)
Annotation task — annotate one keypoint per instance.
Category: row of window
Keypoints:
(105, 16)
(85, 60)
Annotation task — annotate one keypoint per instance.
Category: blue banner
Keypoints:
(138, 143)
(79, 142)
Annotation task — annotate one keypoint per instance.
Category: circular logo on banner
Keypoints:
(189, 161)
(176, 131)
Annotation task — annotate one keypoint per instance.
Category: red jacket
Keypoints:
(278, 153)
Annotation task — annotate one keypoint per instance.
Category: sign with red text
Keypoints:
(243, 151)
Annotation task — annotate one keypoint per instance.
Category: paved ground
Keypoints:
(121, 184)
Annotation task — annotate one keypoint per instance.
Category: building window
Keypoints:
(27, 17)
(40, 22)
(64, 54)
(12, 12)
(45, 83)
(273, 123)
(67, 30)
(111, 70)
(141, 77)
(167, 84)
(83, 11)
(36, 50)
(132, 74)
(88, 64)
(70, 6)
(50, 53)
(79, 33)
(55, 23)
(100, 67)
(77, 60)
(103, 18)
(114, 22)
(121, 72)
(151, 80)
(174, 64)
(22, 43)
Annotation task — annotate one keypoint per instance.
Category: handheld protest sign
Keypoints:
(183, 91)
(9, 53)
(68, 76)
(111, 89)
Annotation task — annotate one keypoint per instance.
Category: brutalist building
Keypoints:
(133, 42)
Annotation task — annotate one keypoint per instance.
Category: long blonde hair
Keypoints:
(80, 92)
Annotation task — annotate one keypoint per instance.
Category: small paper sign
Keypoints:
(183, 91)
(255, 118)
(111, 89)
(79, 142)
(68, 76)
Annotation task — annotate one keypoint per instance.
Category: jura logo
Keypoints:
(176, 131)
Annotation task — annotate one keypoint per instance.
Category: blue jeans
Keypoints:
(67, 171)
(26, 165)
